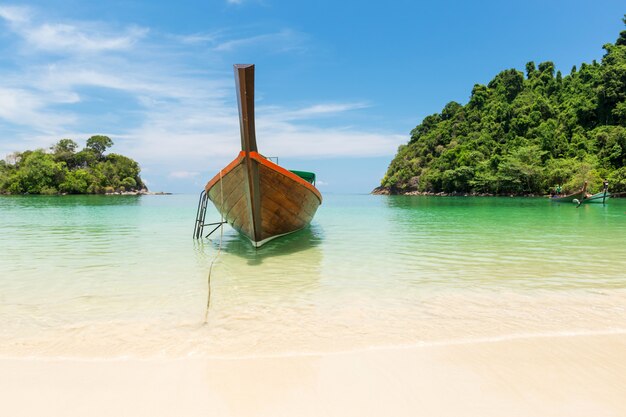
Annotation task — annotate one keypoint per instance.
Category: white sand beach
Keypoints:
(535, 376)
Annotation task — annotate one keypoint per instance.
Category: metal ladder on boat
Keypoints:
(198, 229)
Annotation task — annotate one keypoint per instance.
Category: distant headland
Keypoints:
(523, 135)
(62, 169)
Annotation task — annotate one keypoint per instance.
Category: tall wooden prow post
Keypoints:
(244, 79)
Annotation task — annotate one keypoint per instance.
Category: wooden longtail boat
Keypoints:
(600, 197)
(257, 197)
(570, 197)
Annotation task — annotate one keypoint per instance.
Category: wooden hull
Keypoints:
(262, 200)
(580, 195)
(568, 198)
(597, 198)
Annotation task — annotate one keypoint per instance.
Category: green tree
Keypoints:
(37, 171)
(99, 144)
(86, 158)
(617, 180)
(530, 69)
(65, 146)
(621, 41)
(63, 151)
(76, 182)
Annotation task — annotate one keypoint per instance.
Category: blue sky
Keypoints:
(339, 84)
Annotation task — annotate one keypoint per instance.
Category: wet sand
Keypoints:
(535, 376)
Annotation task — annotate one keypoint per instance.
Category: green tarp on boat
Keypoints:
(307, 176)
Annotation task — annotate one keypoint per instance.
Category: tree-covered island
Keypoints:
(64, 170)
(523, 135)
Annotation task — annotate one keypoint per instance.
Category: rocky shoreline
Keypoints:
(138, 192)
(391, 191)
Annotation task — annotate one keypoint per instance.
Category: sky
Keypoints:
(339, 84)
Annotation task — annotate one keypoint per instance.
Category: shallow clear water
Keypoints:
(103, 276)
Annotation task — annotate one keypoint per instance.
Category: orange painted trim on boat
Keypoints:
(264, 161)
(225, 171)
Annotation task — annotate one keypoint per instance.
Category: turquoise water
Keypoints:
(116, 276)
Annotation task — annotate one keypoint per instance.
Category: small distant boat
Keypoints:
(257, 197)
(579, 195)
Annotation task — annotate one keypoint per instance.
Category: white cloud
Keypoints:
(15, 14)
(29, 108)
(285, 40)
(324, 142)
(197, 38)
(64, 37)
(69, 37)
(183, 174)
(316, 110)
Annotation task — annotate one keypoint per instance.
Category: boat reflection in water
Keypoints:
(293, 245)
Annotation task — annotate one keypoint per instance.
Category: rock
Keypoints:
(381, 191)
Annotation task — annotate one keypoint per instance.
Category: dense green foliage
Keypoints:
(63, 170)
(524, 134)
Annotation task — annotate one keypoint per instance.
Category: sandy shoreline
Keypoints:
(546, 376)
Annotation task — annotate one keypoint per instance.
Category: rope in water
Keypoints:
(219, 250)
